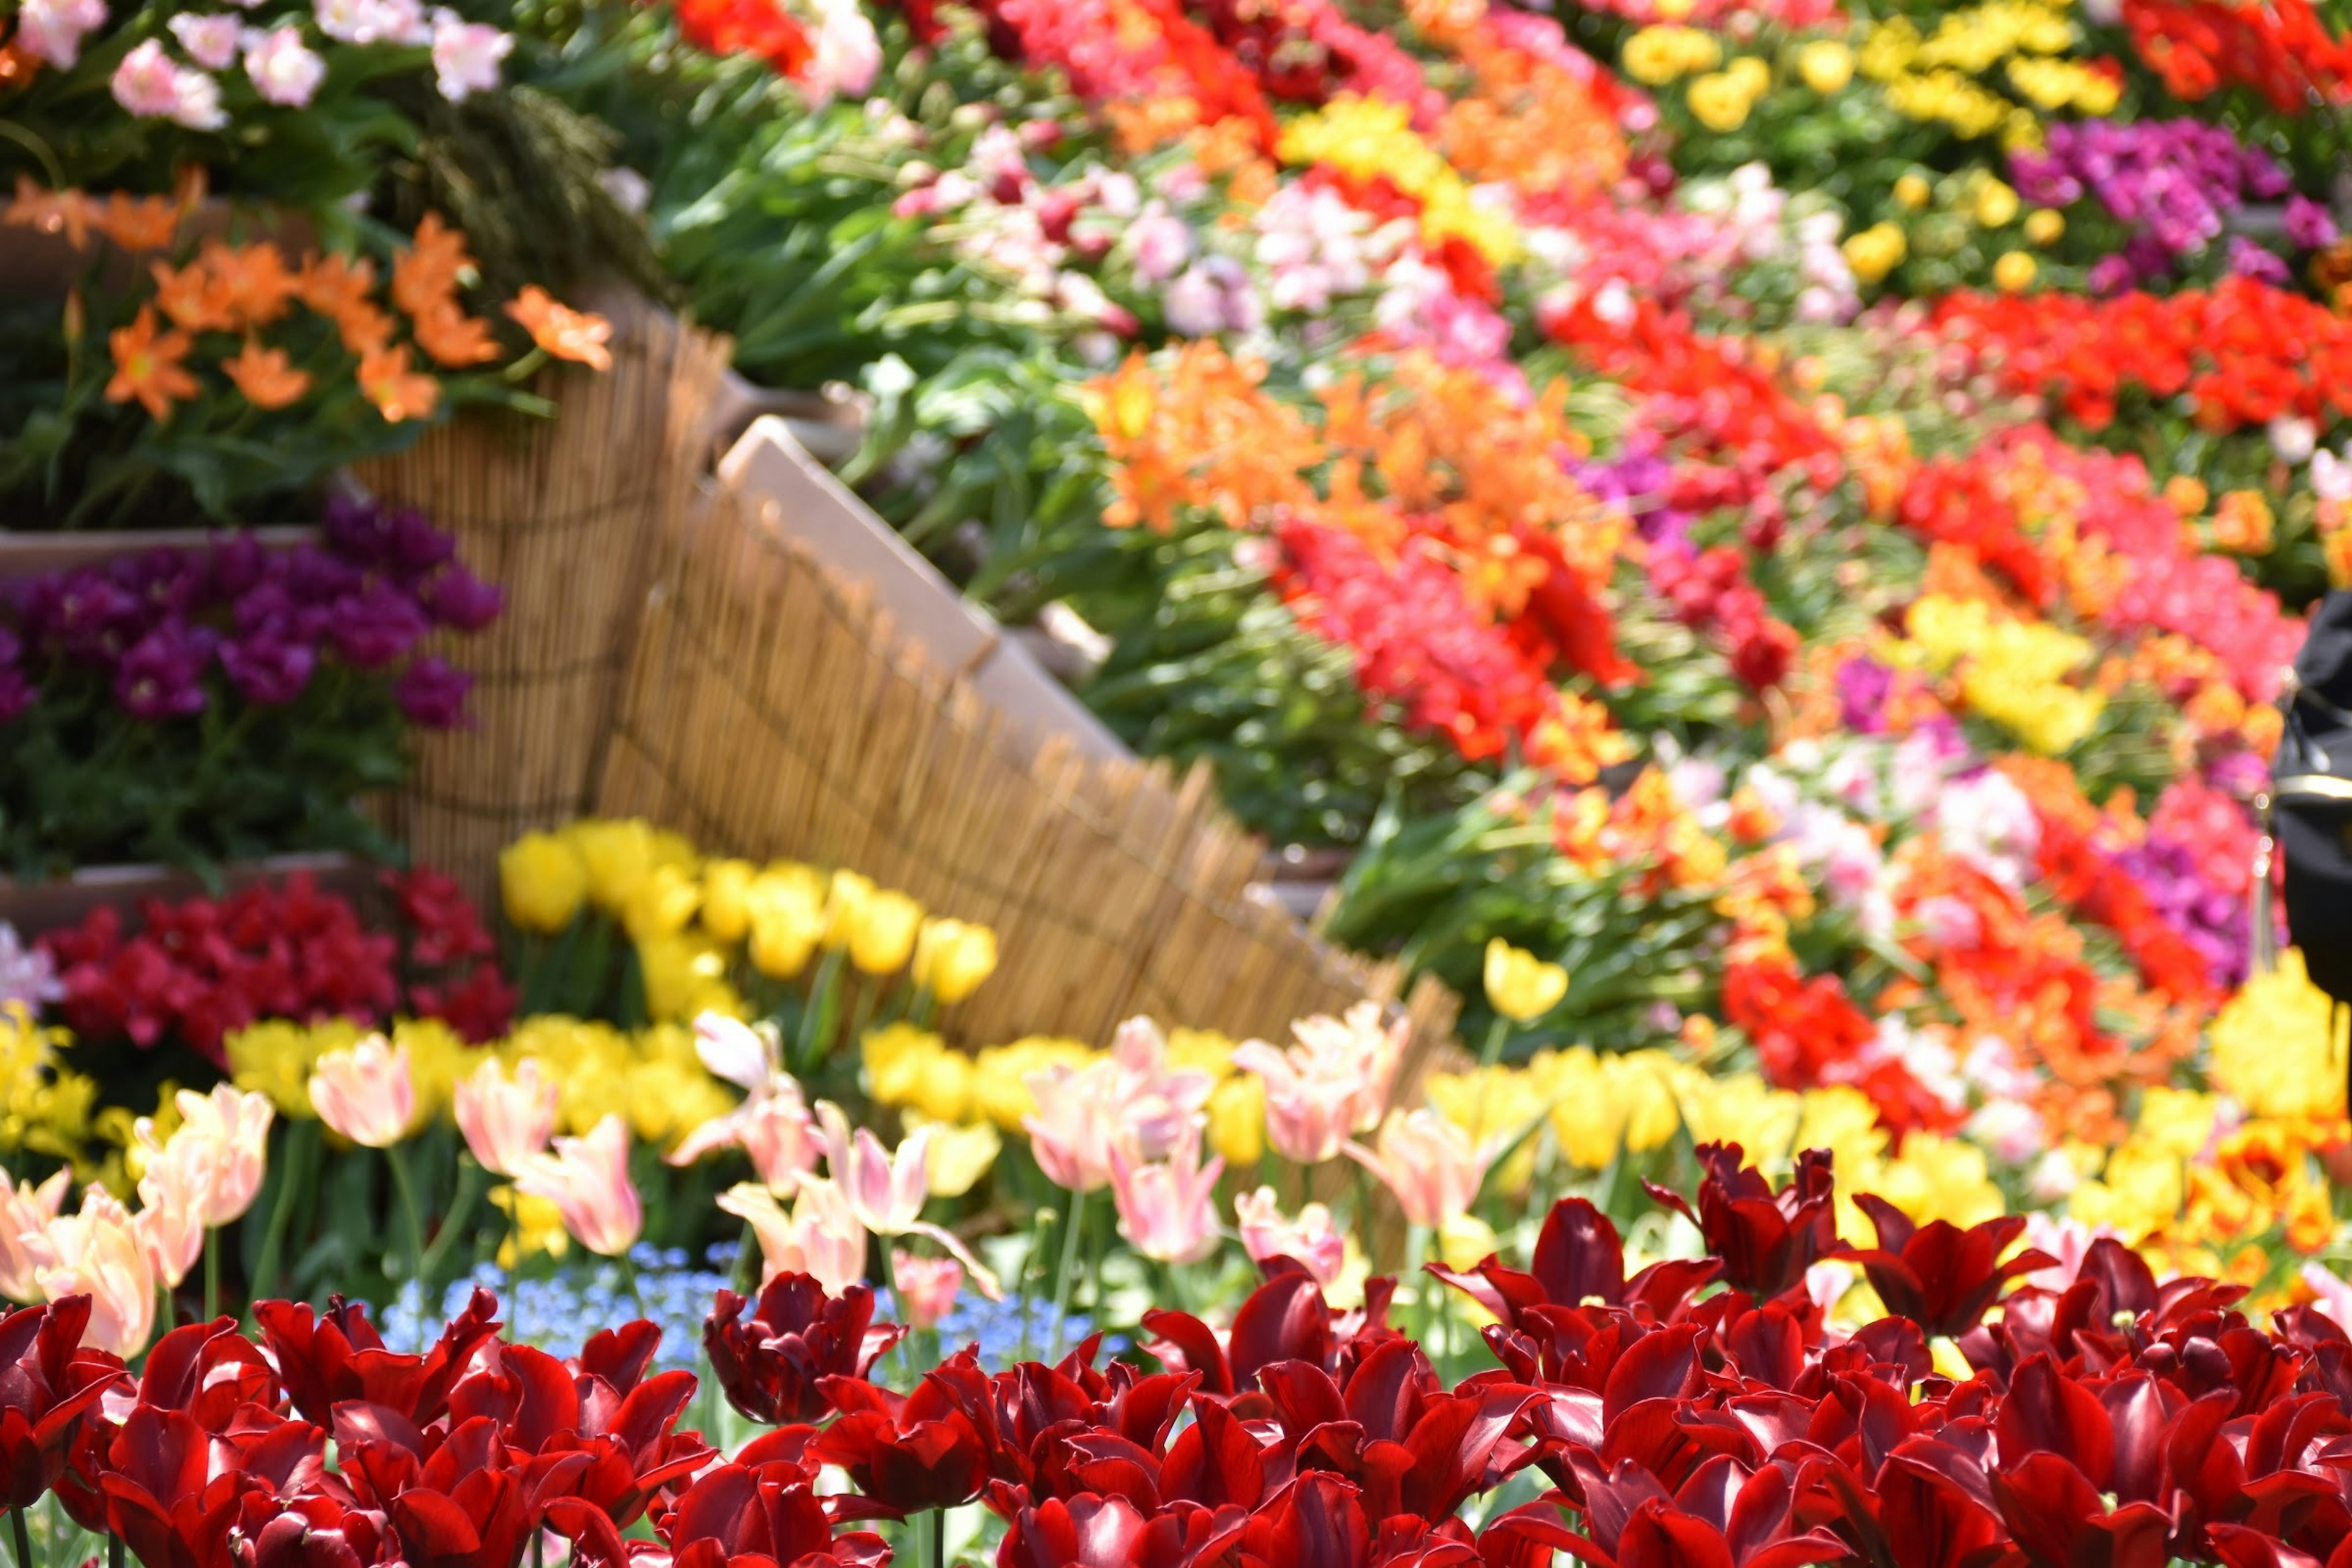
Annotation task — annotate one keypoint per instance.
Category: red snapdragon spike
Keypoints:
(772, 1362)
(768, 1510)
(1940, 1277)
(2057, 1518)
(325, 1359)
(914, 1451)
(1578, 1258)
(49, 1386)
(1765, 1240)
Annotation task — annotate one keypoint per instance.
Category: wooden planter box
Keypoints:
(27, 552)
(34, 908)
(38, 263)
(830, 424)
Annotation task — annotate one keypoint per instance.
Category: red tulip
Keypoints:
(914, 1451)
(1940, 1277)
(49, 1385)
(2057, 1518)
(772, 1363)
(1578, 1259)
(327, 1359)
(1724, 1516)
(762, 1512)
(1765, 1240)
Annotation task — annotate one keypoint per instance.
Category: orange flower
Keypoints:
(137, 222)
(193, 296)
(452, 337)
(428, 272)
(265, 377)
(50, 212)
(253, 280)
(147, 365)
(397, 391)
(561, 331)
(334, 285)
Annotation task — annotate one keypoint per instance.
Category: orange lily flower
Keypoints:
(428, 272)
(397, 391)
(452, 337)
(265, 376)
(148, 366)
(193, 296)
(561, 331)
(51, 212)
(253, 280)
(137, 222)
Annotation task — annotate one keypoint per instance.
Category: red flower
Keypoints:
(1578, 1257)
(910, 1452)
(327, 1359)
(1765, 1240)
(1724, 1516)
(766, 1511)
(772, 1365)
(1940, 1277)
(48, 1387)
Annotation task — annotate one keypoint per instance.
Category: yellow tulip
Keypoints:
(943, 1091)
(2014, 272)
(787, 920)
(1875, 251)
(897, 1057)
(726, 899)
(846, 898)
(1519, 985)
(1720, 101)
(1237, 1119)
(953, 958)
(1465, 1241)
(883, 937)
(618, 854)
(1995, 204)
(959, 1155)
(1913, 191)
(1826, 65)
(543, 881)
(1750, 75)
(661, 903)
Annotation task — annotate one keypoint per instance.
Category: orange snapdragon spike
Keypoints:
(265, 376)
(563, 332)
(148, 366)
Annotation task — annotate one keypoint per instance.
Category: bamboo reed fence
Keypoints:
(771, 709)
(564, 514)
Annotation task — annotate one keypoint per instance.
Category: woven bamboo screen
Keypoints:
(562, 513)
(771, 710)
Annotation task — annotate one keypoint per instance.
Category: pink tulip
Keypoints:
(782, 1138)
(24, 1210)
(98, 1253)
(771, 1125)
(926, 1287)
(2333, 1297)
(1428, 1162)
(587, 1179)
(2068, 1241)
(227, 1137)
(505, 1121)
(1333, 1082)
(364, 1093)
(1168, 1210)
(1156, 1104)
(885, 1191)
(821, 1237)
(171, 1218)
(1310, 1240)
(1129, 1093)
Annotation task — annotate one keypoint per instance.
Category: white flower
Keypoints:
(53, 29)
(372, 21)
(2331, 476)
(2009, 1128)
(466, 56)
(2293, 439)
(845, 55)
(284, 70)
(1987, 822)
(211, 41)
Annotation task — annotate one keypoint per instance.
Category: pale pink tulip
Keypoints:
(171, 1218)
(364, 1092)
(227, 1136)
(821, 1237)
(782, 1138)
(1428, 1162)
(1312, 1240)
(1333, 1082)
(23, 1211)
(587, 1179)
(2334, 1297)
(1129, 1093)
(772, 1125)
(925, 1287)
(1167, 1209)
(1156, 1104)
(885, 1191)
(2068, 1241)
(505, 1120)
(98, 1253)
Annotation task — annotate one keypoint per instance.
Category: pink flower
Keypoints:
(466, 56)
(771, 1125)
(845, 55)
(1130, 1092)
(587, 1179)
(1310, 1240)
(885, 1191)
(2067, 1240)
(1334, 1081)
(926, 1287)
(24, 1210)
(170, 1218)
(2335, 1297)
(223, 1139)
(149, 83)
(1428, 1162)
(505, 1121)
(211, 41)
(98, 1253)
(1168, 1210)
(283, 68)
(364, 1092)
(53, 29)
(821, 1237)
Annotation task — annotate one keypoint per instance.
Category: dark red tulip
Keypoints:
(325, 1359)
(1724, 1516)
(762, 1512)
(2057, 1518)
(172, 1492)
(914, 1451)
(1939, 1276)
(1579, 1261)
(1765, 1240)
(49, 1385)
(772, 1363)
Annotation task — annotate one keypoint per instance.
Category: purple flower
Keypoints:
(1863, 686)
(432, 693)
(81, 615)
(403, 540)
(315, 577)
(375, 626)
(458, 599)
(2248, 259)
(167, 581)
(2309, 225)
(269, 670)
(16, 691)
(161, 677)
(240, 564)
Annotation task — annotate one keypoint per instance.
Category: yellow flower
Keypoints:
(896, 1058)
(1995, 204)
(727, 898)
(2275, 1049)
(1657, 55)
(953, 958)
(275, 1057)
(542, 880)
(998, 1090)
(538, 1227)
(668, 1100)
(2045, 226)
(1519, 985)
(788, 920)
(1843, 1120)
(1465, 1241)
(846, 898)
(959, 1155)
(1237, 1119)
(437, 1058)
(943, 1091)
(1826, 65)
(2014, 272)
(1913, 191)
(684, 974)
(1875, 251)
(1938, 1178)
(618, 854)
(1201, 1050)
(660, 904)
(883, 936)
(1720, 101)
(1588, 1119)
(2179, 1121)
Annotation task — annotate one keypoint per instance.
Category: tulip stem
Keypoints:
(746, 1281)
(212, 1274)
(113, 1550)
(1072, 1224)
(24, 1538)
(629, 1273)
(1497, 1034)
(412, 1217)
(453, 1224)
(294, 1163)
(938, 1541)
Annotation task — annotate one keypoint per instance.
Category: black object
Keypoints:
(2311, 803)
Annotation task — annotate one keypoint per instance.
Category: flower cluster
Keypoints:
(2170, 181)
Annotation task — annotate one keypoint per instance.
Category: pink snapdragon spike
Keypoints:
(505, 1120)
(365, 1092)
(1167, 1209)
(587, 1179)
